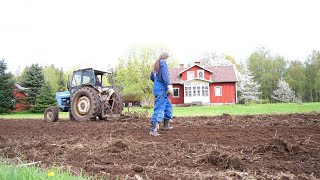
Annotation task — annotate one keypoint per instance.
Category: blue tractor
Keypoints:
(86, 98)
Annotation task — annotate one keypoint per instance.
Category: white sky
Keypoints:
(95, 33)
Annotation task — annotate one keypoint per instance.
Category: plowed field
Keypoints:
(221, 147)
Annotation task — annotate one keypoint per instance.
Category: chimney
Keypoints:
(197, 63)
(181, 65)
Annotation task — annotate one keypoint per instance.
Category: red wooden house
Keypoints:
(20, 97)
(203, 85)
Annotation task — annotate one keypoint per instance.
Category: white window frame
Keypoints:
(189, 73)
(215, 90)
(198, 72)
(205, 90)
(188, 92)
(178, 93)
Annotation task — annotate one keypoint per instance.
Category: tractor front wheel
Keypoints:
(51, 114)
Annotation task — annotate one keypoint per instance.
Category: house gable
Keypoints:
(198, 71)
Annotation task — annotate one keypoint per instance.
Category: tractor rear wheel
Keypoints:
(51, 114)
(117, 103)
(84, 105)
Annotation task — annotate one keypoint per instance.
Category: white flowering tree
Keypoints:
(283, 93)
(212, 59)
(248, 89)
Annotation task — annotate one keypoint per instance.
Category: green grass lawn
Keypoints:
(239, 109)
(216, 110)
(32, 172)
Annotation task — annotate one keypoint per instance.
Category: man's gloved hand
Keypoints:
(170, 89)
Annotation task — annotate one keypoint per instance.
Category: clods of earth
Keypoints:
(220, 147)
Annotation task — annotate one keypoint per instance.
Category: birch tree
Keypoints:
(283, 93)
(132, 74)
(248, 89)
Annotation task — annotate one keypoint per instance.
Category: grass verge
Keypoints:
(9, 171)
(238, 109)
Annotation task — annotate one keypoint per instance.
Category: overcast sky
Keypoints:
(96, 33)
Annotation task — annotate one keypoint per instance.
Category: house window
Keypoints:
(190, 75)
(198, 91)
(218, 91)
(175, 92)
(188, 92)
(205, 91)
(194, 91)
(200, 74)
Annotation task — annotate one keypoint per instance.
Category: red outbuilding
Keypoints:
(20, 97)
(203, 85)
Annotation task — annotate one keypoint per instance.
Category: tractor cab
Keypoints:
(86, 77)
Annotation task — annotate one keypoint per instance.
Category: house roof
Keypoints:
(223, 74)
(20, 87)
(219, 74)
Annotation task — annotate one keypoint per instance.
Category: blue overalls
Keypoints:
(162, 106)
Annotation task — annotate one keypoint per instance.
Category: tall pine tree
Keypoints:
(45, 99)
(33, 80)
(6, 89)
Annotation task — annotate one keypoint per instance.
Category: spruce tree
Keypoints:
(61, 80)
(6, 89)
(45, 99)
(33, 80)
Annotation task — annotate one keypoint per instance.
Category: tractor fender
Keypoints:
(106, 93)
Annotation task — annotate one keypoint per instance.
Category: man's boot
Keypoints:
(166, 124)
(153, 129)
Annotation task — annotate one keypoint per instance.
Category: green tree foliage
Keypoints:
(23, 76)
(296, 78)
(312, 72)
(33, 80)
(266, 69)
(6, 89)
(132, 74)
(45, 99)
(232, 60)
(55, 77)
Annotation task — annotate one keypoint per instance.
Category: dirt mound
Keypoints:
(118, 147)
(223, 160)
(278, 147)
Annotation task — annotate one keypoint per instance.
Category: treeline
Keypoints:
(260, 75)
(303, 76)
(41, 82)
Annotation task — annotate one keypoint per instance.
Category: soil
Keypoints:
(221, 147)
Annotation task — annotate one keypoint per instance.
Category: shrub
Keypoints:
(264, 101)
